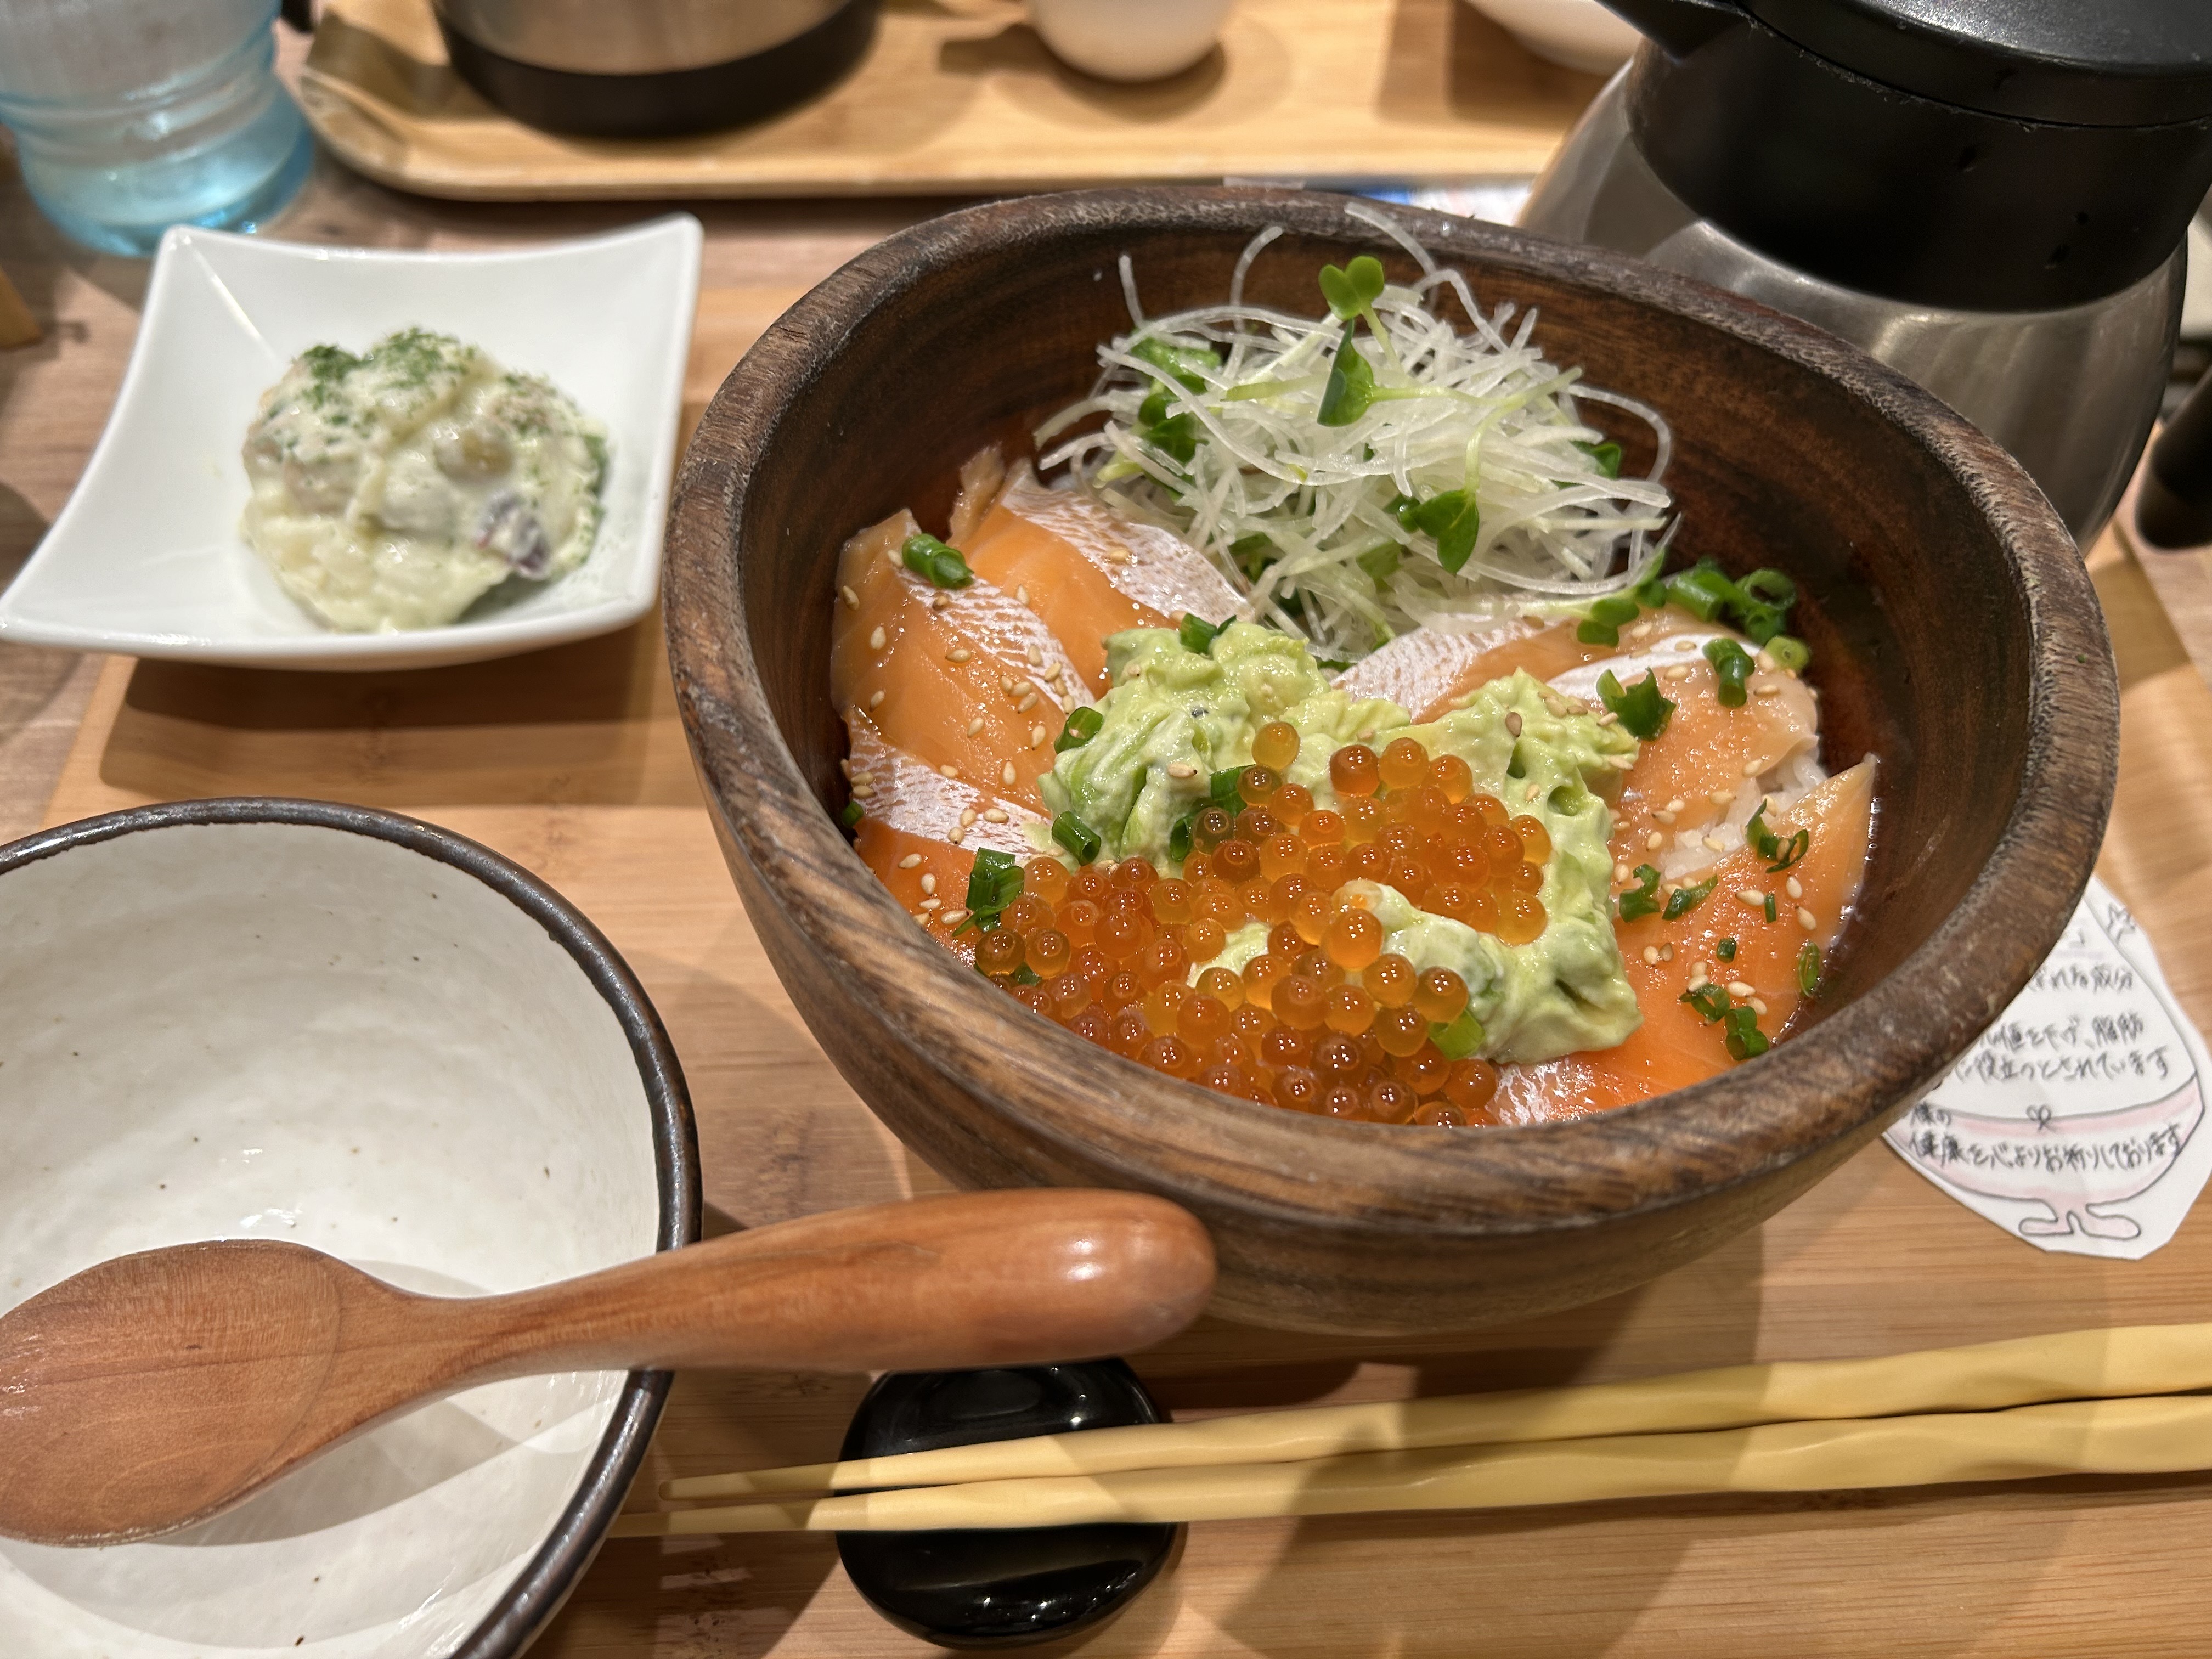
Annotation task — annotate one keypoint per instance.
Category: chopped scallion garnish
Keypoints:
(1788, 652)
(1461, 1038)
(1744, 1039)
(1725, 949)
(1642, 900)
(1082, 725)
(1077, 837)
(1198, 634)
(1732, 666)
(1809, 970)
(1710, 1001)
(1642, 710)
(1683, 900)
(851, 814)
(994, 882)
(943, 566)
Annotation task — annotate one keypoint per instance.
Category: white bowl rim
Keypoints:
(528, 1604)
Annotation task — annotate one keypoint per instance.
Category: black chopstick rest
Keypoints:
(991, 1589)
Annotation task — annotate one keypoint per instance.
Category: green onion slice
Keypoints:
(1642, 900)
(1642, 710)
(1077, 837)
(1683, 900)
(943, 566)
(994, 882)
(1082, 725)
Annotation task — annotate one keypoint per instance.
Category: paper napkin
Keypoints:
(2077, 1122)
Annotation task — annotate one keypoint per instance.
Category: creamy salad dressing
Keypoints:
(393, 490)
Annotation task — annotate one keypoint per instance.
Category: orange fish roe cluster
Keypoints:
(1323, 1021)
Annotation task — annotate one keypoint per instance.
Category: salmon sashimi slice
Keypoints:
(967, 678)
(1700, 771)
(1449, 673)
(916, 799)
(1410, 669)
(1089, 573)
(927, 876)
(1676, 1046)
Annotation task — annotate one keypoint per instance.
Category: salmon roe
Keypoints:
(1323, 1020)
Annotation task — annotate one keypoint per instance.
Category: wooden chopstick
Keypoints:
(2158, 1435)
(2126, 1361)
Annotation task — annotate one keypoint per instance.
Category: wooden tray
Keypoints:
(573, 763)
(962, 99)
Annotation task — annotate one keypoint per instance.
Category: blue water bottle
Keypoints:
(131, 116)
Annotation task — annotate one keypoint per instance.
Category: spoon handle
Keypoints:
(1019, 1277)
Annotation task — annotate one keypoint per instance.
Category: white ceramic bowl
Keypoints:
(146, 557)
(1129, 39)
(1581, 34)
(345, 1028)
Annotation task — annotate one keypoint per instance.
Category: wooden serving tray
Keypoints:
(963, 98)
(573, 763)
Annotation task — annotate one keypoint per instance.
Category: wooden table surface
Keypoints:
(1872, 1261)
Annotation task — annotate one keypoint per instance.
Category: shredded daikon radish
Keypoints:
(1336, 532)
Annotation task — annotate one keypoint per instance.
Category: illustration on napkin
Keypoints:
(2072, 1122)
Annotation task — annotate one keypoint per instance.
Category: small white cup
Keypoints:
(1129, 39)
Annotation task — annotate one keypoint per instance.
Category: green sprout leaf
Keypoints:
(1253, 553)
(1607, 455)
(1642, 710)
(1223, 791)
(1180, 364)
(1352, 290)
(1381, 562)
(1350, 390)
(1454, 519)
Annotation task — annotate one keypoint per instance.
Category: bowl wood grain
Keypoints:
(1954, 630)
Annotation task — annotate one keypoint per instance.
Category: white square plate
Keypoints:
(145, 557)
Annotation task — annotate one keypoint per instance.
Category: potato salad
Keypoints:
(394, 489)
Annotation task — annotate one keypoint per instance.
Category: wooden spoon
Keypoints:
(157, 1389)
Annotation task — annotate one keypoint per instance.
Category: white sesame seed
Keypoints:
(845, 767)
(1621, 871)
(1117, 555)
(1182, 770)
(994, 815)
(932, 904)
(959, 834)
(950, 771)
(909, 862)
(1751, 769)
(1621, 762)
(922, 917)
(1532, 792)
(1766, 660)
(1807, 920)
(1651, 954)
(1036, 737)
(1794, 888)
(851, 598)
(1036, 657)
(1654, 842)
(928, 882)
(1736, 988)
(953, 918)
(1006, 685)
(1759, 1005)
(1699, 979)
(891, 557)
(1677, 804)
(943, 602)
(967, 817)
(1677, 674)
(1661, 815)
(1686, 644)
(1022, 595)
(1666, 953)
(1715, 844)
(876, 699)
(1368, 736)
(1641, 631)
(1006, 773)
(1513, 723)
(876, 640)
(1766, 690)
(1722, 797)
(1609, 718)
(975, 726)
(1751, 896)
(958, 654)
(862, 790)
(1029, 701)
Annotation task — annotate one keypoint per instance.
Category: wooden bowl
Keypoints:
(1953, 631)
